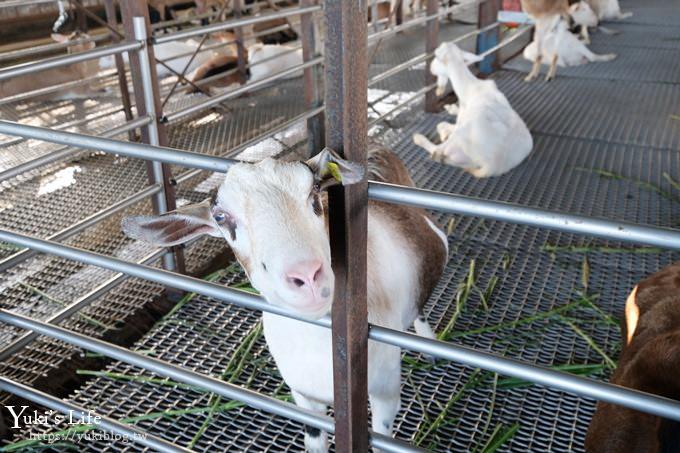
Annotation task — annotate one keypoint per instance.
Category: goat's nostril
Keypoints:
(297, 282)
(318, 273)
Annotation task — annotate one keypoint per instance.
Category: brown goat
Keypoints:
(650, 362)
(218, 65)
(542, 11)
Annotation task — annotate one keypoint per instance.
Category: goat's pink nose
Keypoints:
(305, 273)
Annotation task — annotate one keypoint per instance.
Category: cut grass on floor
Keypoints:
(599, 249)
(641, 184)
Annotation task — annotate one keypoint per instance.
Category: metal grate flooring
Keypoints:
(600, 118)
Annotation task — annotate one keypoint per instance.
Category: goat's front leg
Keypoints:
(553, 68)
(585, 37)
(445, 129)
(385, 404)
(316, 441)
(452, 109)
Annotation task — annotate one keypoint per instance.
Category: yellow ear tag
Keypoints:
(333, 168)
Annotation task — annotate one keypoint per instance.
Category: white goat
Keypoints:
(57, 76)
(569, 50)
(272, 214)
(608, 9)
(489, 138)
(167, 51)
(583, 16)
(282, 57)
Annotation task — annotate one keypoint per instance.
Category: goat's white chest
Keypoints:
(303, 354)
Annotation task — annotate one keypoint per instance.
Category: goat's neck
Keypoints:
(462, 80)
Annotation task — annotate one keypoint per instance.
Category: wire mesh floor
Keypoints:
(604, 138)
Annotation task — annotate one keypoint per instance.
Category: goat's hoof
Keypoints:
(529, 78)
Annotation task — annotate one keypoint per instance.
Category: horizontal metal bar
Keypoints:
(20, 3)
(68, 124)
(213, 385)
(235, 151)
(163, 277)
(56, 62)
(248, 66)
(85, 223)
(578, 385)
(228, 43)
(67, 151)
(129, 149)
(130, 432)
(54, 88)
(287, 12)
(452, 10)
(51, 47)
(525, 215)
(230, 391)
(623, 231)
(424, 56)
(80, 303)
(505, 42)
(215, 100)
(183, 20)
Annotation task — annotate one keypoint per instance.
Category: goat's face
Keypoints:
(583, 14)
(449, 55)
(272, 216)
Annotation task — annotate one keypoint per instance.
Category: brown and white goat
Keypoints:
(544, 12)
(57, 76)
(272, 215)
(650, 362)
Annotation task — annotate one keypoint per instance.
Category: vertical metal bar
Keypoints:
(152, 129)
(399, 14)
(110, 10)
(431, 42)
(240, 43)
(315, 129)
(346, 85)
(374, 15)
(487, 15)
(146, 90)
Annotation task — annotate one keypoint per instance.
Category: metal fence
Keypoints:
(346, 130)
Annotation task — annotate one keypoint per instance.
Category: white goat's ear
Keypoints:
(58, 37)
(470, 58)
(173, 228)
(330, 168)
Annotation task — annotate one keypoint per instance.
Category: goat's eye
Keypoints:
(220, 217)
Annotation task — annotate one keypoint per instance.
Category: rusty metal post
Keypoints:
(431, 42)
(399, 14)
(315, 130)
(156, 131)
(240, 43)
(346, 86)
(487, 15)
(110, 10)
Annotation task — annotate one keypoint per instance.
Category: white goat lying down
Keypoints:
(272, 214)
(608, 9)
(489, 138)
(287, 58)
(559, 41)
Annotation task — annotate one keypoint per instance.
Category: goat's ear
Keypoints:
(329, 168)
(173, 228)
(58, 37)
(470, 58)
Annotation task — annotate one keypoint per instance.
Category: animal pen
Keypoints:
(166, 346)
